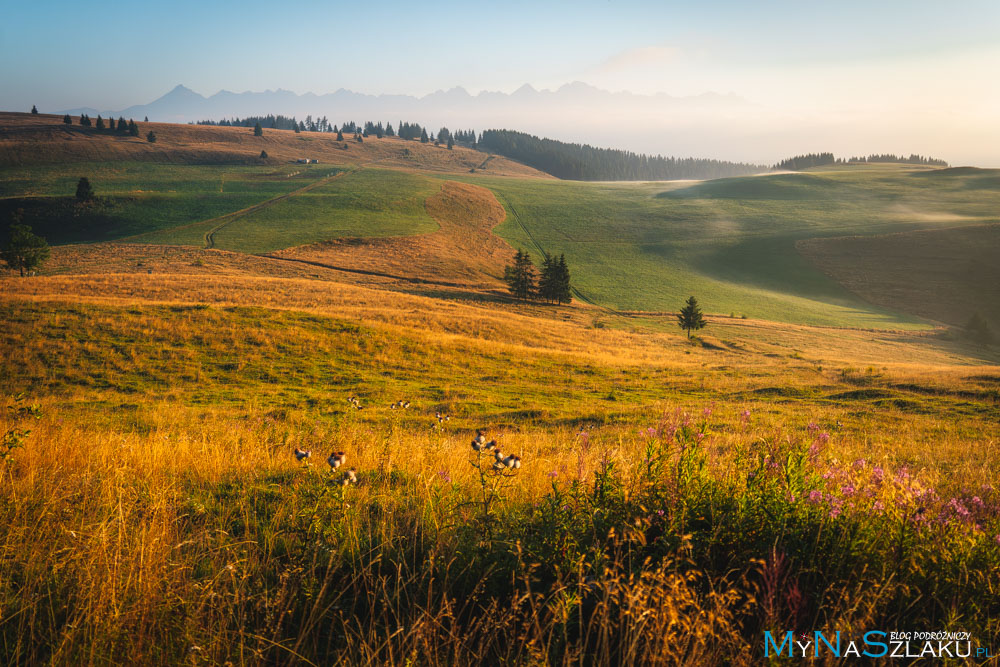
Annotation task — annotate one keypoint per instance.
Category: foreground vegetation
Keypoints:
(674, 502)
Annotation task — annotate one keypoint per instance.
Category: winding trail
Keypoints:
(229, 218)
(538, 246)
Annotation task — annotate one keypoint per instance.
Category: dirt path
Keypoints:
(228, 218)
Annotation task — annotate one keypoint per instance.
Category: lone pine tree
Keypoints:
(24, 251)
(690, 318)
(84, 191)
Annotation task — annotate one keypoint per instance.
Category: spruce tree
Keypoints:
(100, 122)
(340, 135)
(690, 318)
(67, 119)
(84, 191)
(151, 138)
(520, 276)
(122, 125)
(34, 109)
(263, 155)
(423, 136)
(562, 286)
(451, 143)
(548, 278)
(257, 131)
(24, 251)
(133, 128)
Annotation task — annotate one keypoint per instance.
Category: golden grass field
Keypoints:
(156, 515)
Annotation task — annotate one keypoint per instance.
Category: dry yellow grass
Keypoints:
(27, 139)
(157, 528)
(570, 329)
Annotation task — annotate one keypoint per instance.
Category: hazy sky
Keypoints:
(845, 66)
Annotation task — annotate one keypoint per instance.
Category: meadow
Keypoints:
(134, 198)
(821, 456)
(732, 242)
(746, 246)
(675, 499)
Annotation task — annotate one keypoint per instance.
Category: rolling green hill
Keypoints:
(631, 246)
(731, 242)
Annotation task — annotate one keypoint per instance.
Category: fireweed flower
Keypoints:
(877, 474)
(823, 438)
(878, 506)
(815, 496)
(847, 489)
(812, 426)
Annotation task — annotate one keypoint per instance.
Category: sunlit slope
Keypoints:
(731, 242)
(42, 139)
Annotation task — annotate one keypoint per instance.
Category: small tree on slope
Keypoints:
(690, 318)
(24, 251)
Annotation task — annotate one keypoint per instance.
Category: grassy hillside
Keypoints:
(371, 202)
(138, 197)
(155, 513)
(631, 246)
(30, 140)
(944, 275)
(732, 242)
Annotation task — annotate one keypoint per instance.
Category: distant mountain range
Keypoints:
(455, 106)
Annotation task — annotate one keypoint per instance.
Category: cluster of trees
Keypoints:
(913, 159)
(276, 122)
(586, 163)
(805, 161)
(130, 127)
(820, 159)
(525, 282)
(403, 130)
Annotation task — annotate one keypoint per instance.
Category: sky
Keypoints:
(922, 71)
